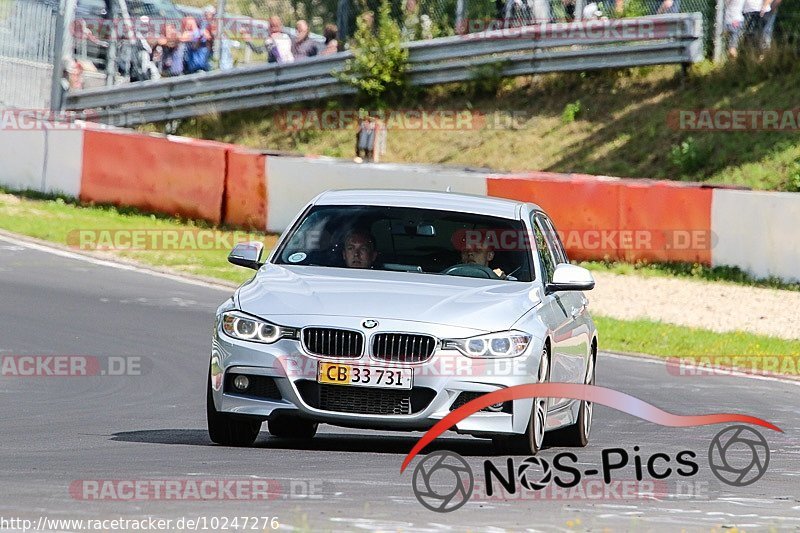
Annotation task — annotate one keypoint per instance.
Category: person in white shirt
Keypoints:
(754, 12)
(279, 44)
(734, 25)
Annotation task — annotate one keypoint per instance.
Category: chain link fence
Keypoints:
(435, 18)
(424, 19)
(29, 37)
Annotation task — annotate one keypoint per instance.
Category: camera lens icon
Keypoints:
(443, 481)
(738, 455)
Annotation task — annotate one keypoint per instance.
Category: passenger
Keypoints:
(359, 249)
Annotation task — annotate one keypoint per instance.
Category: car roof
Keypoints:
(445, 201)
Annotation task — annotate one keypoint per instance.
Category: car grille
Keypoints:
(364, 400)
(260, 387)
(402, 347)
(332, 342)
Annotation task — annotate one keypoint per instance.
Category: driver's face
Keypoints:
(477, 255)
(359, 252)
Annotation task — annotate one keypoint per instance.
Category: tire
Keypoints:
(577, 435)
(530, 442)
(226, 430)
(290, 427)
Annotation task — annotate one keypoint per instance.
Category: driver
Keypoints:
(479, 253)
(359, 249)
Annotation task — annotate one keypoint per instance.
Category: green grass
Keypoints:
(57, 220)
(695, 271)
(619, 128)
(667, 340)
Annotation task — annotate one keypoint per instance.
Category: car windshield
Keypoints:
(405, 239)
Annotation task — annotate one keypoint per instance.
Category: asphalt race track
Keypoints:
(57, 431)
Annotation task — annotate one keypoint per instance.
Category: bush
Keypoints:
(487, 80)
(687, 156)
(379, 67)
(571, 112)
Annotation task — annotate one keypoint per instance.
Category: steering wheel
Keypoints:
(470, 270)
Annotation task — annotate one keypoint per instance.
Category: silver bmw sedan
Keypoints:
(388, 309)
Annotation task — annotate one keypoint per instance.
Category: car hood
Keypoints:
(487, 305)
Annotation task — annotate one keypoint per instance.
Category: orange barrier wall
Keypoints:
(674, 217)
(629, 220)
(576, 204)
(246, 189)
(155, 173)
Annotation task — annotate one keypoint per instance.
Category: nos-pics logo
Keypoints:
(443, 481)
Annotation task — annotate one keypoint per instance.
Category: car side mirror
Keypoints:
(569, 277)
(247, 254)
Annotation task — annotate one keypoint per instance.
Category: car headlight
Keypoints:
(247, 328)
(502, 344)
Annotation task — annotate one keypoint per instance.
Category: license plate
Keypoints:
(365, 376)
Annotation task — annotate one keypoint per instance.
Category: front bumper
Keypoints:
(284, 377)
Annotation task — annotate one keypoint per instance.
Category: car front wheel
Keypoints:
(226, 430)
(577, 435)
(530, 442)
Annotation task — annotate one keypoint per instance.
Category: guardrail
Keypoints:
(661, 39)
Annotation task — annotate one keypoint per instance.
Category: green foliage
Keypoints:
(487, 80)
(379, 67)
(793, 184)
(687, 156)
(571, 112)
(635, 8)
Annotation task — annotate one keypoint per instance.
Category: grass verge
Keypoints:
(694, 271)
(667, 340)
(200, 249)
(57, 220)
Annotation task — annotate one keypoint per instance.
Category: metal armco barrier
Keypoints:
(662, 39)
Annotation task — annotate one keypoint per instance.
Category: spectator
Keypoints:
(209, 26)
(669, 6)
(331, 44)
(754, 13)
(569, 9)
(734, 25)
(302, 45)
(365, 139)
(197, 56)
(370, 139)
(279, 45)
(769, 24)
(73, 73)
(172, 51)
(411, 22)
(592, 11)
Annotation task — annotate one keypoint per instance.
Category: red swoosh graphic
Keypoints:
(592, 393)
